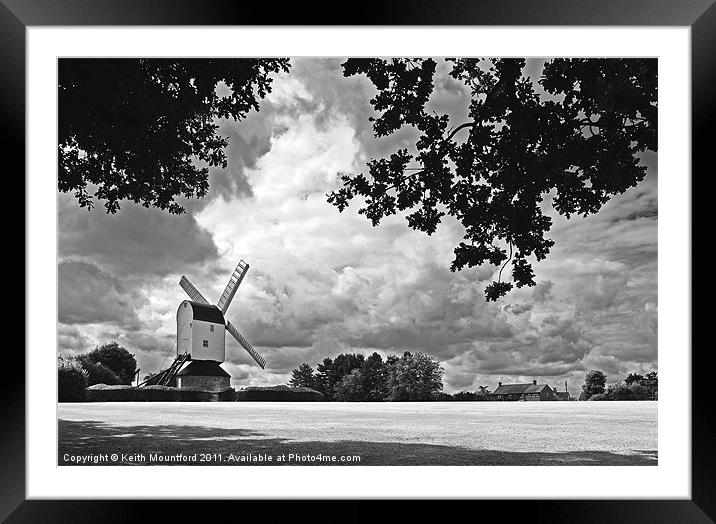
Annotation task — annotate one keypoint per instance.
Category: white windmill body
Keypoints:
(201, 339)
(200, 331)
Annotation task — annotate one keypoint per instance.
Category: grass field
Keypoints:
(433, 433)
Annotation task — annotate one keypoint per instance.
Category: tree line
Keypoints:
(353, 377)
(634, 387)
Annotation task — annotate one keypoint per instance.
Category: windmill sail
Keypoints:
(236, 277)
(192, 291)
(245, 344)
(224, 302)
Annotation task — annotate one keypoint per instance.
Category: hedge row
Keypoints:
(121, 393)
(124, 393)
(279, 394)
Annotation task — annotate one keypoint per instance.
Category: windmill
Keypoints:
(200, 344)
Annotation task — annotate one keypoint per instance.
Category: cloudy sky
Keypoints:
(322, 283)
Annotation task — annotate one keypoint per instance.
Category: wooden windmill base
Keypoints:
(206, 375)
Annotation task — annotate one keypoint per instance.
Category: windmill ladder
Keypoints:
(170, 373)
(164, 377)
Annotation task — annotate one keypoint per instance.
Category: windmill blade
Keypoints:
(245, 344)
(192, 291)
(236, 277)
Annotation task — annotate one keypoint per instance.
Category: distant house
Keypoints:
(563, 395)
(524, 392)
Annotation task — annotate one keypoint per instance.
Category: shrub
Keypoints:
(621, 392)
(71, 380)
(465, 395)
(640, 392)
(441, 396)
(599, 396)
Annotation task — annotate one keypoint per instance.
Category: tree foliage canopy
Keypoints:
(594, 382)
(649, 382)
(350, 388)
(374, 372)
(134, 128)
(353, 377)
(580, 142)
(633, 378)
(303, 377)
(415, 377)
(116, 358)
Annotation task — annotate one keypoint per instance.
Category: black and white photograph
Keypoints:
(357, 261)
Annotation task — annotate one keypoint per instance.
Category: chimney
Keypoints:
(499, 383)
(534, 382)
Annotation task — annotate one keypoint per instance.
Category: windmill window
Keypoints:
(211, 327)
(205, 343)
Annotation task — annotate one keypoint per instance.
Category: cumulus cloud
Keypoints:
(135, 241)
(88, 295)
(74, 338)
(542, 291)
(322, 283)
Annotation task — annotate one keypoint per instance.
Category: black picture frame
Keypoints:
(17, 15)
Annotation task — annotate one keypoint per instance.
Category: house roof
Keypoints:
(207, 313)
(562, 394)
(203, 368)
(517, 389)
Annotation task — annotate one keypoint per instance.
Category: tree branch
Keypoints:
(499, 276)
(459, 128)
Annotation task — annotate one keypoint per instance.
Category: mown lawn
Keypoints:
(438, 433)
